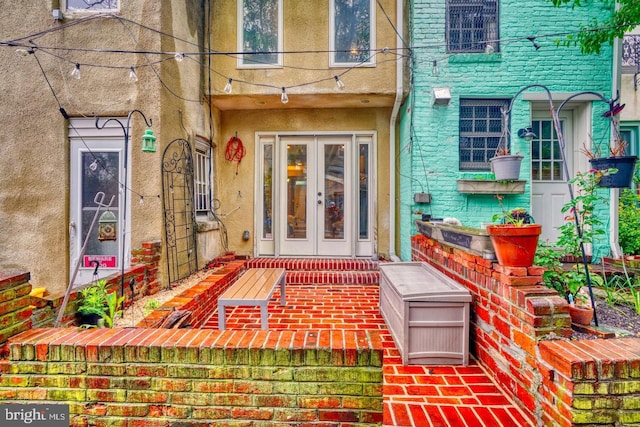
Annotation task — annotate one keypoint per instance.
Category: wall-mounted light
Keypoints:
(227, 87)
(148, 141)
(527, 134)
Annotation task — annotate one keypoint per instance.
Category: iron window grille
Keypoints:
(481, 127)
(472, 25)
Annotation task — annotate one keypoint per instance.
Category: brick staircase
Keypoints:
(323, 271)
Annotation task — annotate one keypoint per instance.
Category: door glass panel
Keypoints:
(99, 173)
(363, 208)
(546, 158)
(297, 191)
(334, 191)
(267, 180)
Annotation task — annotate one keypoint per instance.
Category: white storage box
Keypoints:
(426, 312)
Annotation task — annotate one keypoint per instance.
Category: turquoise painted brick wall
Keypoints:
(428, 156)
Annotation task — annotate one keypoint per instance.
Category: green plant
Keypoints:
(516, 216)
(151, 305)
(97, 300)
(629, 220)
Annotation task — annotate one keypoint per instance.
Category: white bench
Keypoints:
(254, 288)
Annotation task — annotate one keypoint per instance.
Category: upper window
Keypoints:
(352, 32)
(481, 128)
(93, 5)
(472, 25)
(202, 177)
(260, 34)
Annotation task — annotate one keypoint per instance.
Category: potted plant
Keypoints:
(614, 169)
(515, 237)
(98, 307)
(504, 165)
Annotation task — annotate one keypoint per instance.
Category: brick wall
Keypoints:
(15, 305)
(516, 326)
(428, 145)
(158, 377)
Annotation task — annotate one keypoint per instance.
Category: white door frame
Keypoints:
(85, 138)
(359, 169)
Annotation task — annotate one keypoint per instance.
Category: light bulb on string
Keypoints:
(227, 87)
(75, 73)
(94, 165)
(284, 98)
(339, 83)
(179, 56)
(132, 75)
(435, 71)
(24, 52)
(141, 200)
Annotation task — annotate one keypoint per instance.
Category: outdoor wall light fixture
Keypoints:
(527, 134)
(227, 88)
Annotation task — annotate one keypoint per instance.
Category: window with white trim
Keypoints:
(352, 32)
(93, 5)
(260, 33)
(481, 128)
(202, 177)
(472, 25)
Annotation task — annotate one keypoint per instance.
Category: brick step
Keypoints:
(333, 277)
(315, 264)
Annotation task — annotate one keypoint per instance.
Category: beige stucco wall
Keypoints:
(34, 184)
(237, 191)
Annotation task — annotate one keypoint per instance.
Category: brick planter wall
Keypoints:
(556, 382)
(159, 377)
(15, 305)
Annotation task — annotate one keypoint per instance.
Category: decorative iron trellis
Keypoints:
(179, 214)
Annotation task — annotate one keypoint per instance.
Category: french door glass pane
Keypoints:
(297, 191)
(334, 191)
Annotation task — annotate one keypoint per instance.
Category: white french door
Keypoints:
(96, 165)
(319, 191)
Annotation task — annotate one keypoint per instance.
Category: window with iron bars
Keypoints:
(631, 53)
(202, 178)
(472, 25)
(481, 128)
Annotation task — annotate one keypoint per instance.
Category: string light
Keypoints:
(132, 75)
(489, 49)
(94, 165)
(23, 52)
(179, 56)
(339, 83)
(75, 73)
(435, 71)
(284, 98)
(227, 87)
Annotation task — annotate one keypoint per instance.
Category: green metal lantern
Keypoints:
(148, 141)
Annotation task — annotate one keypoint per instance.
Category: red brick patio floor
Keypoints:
(414, 395)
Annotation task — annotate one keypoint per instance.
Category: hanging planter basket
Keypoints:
(625, 166)
(515, 245)
(506, 168)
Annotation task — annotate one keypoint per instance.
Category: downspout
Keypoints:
(392, 135)
(614, 193)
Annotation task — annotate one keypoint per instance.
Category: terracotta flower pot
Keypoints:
(580, 314)
(515, 245)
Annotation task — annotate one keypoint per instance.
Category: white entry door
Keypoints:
(318, 217)
(315, 195)
(549, 190)
(96, 166)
